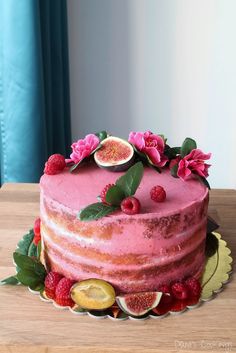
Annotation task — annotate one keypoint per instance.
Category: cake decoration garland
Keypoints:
(116, 154)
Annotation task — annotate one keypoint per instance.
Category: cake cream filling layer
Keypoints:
(79, 249)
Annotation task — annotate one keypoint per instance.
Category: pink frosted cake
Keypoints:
(162, 243)
(123, 228)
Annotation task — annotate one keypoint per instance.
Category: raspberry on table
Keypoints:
(158, 193)
(130, 205)
(104, 192)
(62, 294)
(55, 164)
(51, 281)
(180, 290)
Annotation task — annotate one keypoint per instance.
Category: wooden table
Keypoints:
(29, 325)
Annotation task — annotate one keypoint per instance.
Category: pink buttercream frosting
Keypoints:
(163, 243)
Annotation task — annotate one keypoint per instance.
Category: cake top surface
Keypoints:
(81, 188)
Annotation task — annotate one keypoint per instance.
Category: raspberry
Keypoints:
(180, 290)
(164, 289)
(37, 235)
(104, 193)
(178, 305)
(63, 297)
(51, 281)
(158, 194)
(193, 286)
(164, 305)
(130, 205)
(55, 164)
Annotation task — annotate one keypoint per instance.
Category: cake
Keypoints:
(164, 242)
(122, 227)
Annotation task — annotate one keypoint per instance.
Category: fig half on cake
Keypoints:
(115, 154)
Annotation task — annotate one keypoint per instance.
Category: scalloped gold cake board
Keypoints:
(216, 275)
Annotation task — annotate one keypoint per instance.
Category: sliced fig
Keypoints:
(138, 304)
(93, 294)
(115, 154)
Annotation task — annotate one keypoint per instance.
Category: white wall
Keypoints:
(164, 65)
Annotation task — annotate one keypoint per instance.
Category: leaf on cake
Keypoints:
(217, 270)
(95, 211)
(187, 146)
(130, 181)
(115, 195)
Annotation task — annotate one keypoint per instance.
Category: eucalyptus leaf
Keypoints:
(95, 211)
(28, 278)
(130, 181)
(115, 195)
(12, 280)
(187, 146)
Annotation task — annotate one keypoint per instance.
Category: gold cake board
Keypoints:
(216, 275)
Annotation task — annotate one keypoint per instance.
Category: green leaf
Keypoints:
(115, 195)
(171, 152)
(205, 182)
(9, 280)
(32, 252)
(38, 287)
(130, 181)
(187, 146)
(75, 166)
(212, 244)
(39, 248)
(174, 171)
(26, 263)
(28, 278)
(24, 243)
(95, 211)
(101, 135)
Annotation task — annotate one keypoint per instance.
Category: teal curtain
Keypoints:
(34, 86)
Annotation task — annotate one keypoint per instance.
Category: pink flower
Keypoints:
(194, 163)
(150, 144)
(83, 148)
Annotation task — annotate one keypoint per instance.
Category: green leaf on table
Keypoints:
(101, 135)
(130, 181)
(26, 263)
(28, 278)
(25, 242)
(187, 146)
(12, 280)
(115, 195)
(95, 211)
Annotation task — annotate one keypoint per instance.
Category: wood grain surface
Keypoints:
(28, 325)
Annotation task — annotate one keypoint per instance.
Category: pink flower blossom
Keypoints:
(83, 148)
(150, 144)
(194, 163)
